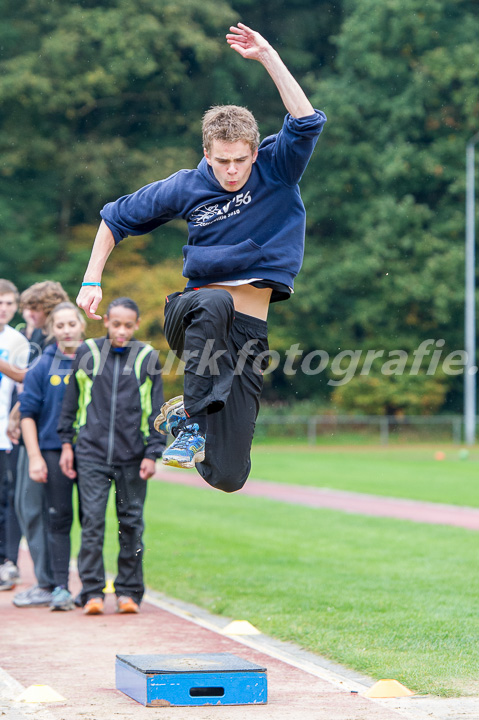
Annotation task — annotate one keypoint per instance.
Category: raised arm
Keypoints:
(252, 46)
(90, 296)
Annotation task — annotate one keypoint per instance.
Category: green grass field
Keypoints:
(408, 472)
(386, 597)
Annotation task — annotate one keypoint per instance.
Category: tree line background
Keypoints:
(100, 97)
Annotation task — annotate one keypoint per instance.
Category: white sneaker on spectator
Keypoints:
(35, 596)
(9, 571)
(9, 575)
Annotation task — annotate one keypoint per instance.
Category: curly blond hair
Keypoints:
(229, 123)
(43, 296)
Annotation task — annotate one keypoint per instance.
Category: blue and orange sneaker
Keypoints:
(187, 449)
(172, 413)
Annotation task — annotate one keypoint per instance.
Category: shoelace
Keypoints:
(184, 437)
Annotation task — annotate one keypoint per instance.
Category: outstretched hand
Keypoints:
(248, 43)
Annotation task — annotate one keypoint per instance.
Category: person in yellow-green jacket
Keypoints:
(108, 407)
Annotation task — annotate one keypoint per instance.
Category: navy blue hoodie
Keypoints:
(42, 396)
(257, 232)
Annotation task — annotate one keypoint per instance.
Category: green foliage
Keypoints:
(99, 98)
(384, 263)
(403, 394)
(93, 99)
(386, 222)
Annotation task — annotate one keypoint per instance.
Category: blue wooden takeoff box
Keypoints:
(198, 679)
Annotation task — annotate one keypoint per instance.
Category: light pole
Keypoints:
(470, 369)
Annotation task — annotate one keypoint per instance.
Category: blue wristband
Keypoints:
(85, 284)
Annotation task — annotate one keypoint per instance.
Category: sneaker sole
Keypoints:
(199, 457)
(165, 408)
(70, 606)
(7, 586)
(32, 605)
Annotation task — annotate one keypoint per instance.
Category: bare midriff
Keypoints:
(248, 299)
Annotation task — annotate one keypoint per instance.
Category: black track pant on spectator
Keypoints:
(59, 492)
(94, 482)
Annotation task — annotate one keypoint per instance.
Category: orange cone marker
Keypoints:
(387, 689)
(40, 694)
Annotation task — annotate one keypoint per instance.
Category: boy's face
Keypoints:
(38, 317)
(231, 163)
(8, 308)
(121, 324)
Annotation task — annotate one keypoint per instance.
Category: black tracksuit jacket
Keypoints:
(111, 402)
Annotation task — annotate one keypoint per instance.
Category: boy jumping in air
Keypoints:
(246, 225)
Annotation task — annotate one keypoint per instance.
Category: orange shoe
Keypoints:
(125, 604)
(94, 606)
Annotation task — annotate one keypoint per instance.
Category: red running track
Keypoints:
(350, 502)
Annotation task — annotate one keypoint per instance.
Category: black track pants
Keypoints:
(223, 375)
(94, 482)
(59, 491)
